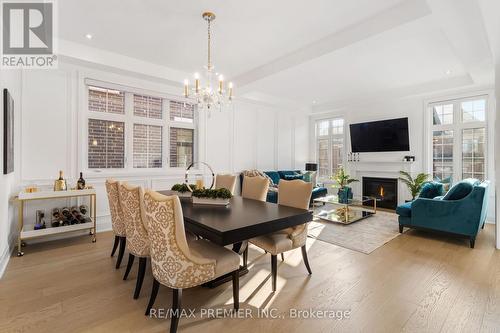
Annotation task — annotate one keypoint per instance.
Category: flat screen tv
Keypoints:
(379, 136)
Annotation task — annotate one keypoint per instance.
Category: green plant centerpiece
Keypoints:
(182, 190)
(212, 196)
(342, 180)
(414, 184)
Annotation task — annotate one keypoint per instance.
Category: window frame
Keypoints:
(129, 119)
(330, 136)
(457, 127)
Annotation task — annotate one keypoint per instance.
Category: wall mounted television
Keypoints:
(380, 136)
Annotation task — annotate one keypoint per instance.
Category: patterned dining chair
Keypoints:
(225, 181)
(293, 193)
(255, 188)
(131, 200)
(179, 264)
(117, 221)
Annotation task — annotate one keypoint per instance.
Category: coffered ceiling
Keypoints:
(321, 51)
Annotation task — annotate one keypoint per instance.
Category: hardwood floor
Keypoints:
(418, 282)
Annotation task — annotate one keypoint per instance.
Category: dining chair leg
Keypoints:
(274, 269)
(140, 276)
(154, 292)
(121, 251)
(176, 310)
(282, 257)
(130, 262)
(236, 289)
(245, 257)
(115, 245)
(304, 257)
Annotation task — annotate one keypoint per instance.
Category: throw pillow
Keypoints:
(293, 177)
(458, 191)
(307, 176)
(255, 173)
(431, 190)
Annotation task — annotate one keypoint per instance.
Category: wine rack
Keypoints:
(23, 197)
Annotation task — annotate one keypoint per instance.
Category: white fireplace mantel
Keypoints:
(381, 169)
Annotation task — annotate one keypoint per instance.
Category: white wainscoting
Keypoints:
(248, 135)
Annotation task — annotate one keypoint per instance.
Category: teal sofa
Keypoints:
(276, 176)
(461, 211)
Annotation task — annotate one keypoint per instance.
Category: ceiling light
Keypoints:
(448, 72)
(211, 90)
(88, 36)
(314, 102)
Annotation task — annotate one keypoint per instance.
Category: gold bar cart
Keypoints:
(23, 197)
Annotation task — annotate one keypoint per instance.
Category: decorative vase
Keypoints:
(345, 193)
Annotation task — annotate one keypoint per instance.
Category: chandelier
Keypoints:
(210, 91)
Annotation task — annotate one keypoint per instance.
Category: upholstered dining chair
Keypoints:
(255, 188)
(225, 181)
(131, 200)
(117, 221)
(293, 193)
(177, 263)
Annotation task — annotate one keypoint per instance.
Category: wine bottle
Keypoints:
(60, 184)
(80, 184)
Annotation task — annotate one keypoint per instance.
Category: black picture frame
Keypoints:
(8, 132)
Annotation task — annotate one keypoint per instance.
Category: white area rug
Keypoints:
(363, 236)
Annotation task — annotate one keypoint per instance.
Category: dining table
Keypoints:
(237, 222)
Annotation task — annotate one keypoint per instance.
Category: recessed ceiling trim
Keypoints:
(404, 12)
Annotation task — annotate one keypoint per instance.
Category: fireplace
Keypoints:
(384, 189)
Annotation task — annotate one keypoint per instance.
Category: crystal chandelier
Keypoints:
(211, 91)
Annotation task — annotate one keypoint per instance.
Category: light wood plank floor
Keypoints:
(418, 282)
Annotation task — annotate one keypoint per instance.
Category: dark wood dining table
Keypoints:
(238, 222)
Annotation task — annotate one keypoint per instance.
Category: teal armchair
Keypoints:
(462, 211)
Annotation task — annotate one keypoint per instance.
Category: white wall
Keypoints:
(497, 151)
(10, 79)
(248, 135)
(415, 109)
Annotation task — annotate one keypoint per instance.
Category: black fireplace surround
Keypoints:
(384, 189)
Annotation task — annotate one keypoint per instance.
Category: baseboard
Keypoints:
(4, 260)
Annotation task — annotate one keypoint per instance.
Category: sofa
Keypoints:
(276, 176)
(461, 211)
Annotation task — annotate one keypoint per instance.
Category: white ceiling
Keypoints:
(415, 53)
(299, 51)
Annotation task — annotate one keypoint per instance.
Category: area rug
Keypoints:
(364, 236)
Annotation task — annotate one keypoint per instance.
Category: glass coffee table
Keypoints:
(354, 210)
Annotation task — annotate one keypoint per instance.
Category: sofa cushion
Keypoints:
(319, 192)
(293, 177)
(431, 190)
(459, 191)
(274, 175)
(404, 209)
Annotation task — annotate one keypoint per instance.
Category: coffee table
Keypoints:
(354, 210)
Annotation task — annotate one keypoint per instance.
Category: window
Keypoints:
(147, 106)
(329, 146)
(459, 139)
(147, 146)
(442, 145)
(181, 112)
(106, 100)
(473, 151)
(106, 144)
(181, 147)
(129, 126)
